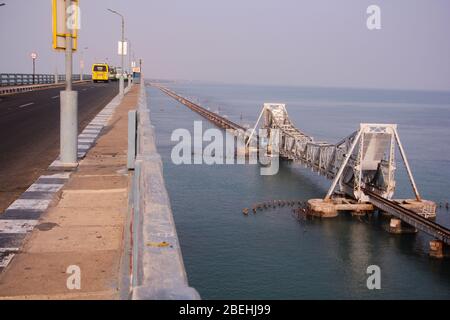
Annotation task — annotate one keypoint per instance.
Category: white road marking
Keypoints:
(88, 141)
(33, 204)
(83, 147)
(41, 187)
(3, 250)
(64, 175)
(17, 226)
(6, 260)
(55, 97)
(88, 135)
(92, 131)
(26, 105)
(98, 126)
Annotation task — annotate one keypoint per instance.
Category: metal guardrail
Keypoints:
(22, 79)
(158, 271)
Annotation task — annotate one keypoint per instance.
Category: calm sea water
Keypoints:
(272, 255)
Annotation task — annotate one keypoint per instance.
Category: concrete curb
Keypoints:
(158, 268)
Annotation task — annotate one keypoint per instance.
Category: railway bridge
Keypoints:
(361, 167)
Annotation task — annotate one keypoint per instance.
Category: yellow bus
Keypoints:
(100, 72)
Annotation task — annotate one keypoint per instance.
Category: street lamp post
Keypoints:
(33, 57)
(69, 107)
(130, 67)
(121, 79)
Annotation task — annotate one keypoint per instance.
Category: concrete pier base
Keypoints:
(331, 208)
(397, 226)
(320, 208)
(425, 208)
(437, 249)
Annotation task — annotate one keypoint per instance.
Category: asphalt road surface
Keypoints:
(29, 133)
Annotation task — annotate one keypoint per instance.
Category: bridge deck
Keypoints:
(211, 116)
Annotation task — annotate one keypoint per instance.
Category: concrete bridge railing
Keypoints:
(158, 271)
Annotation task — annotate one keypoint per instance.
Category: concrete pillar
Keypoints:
(121, 85)
(397, 226)
(437, 249)
(69, 128)
(323, 209)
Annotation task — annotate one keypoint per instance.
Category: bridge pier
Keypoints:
(437, 249)
(397, 226)
(331, 208)
(321, 208)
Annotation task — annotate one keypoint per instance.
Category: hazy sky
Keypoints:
(285, 42)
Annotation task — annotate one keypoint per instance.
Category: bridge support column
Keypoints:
(437, 249)
(397, 226)
(323, 209)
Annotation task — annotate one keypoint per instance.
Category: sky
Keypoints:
(272, 42)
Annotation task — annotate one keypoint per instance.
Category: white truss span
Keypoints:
(364, 158)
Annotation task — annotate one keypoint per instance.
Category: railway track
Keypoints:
(417, 221)
(218, 120)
